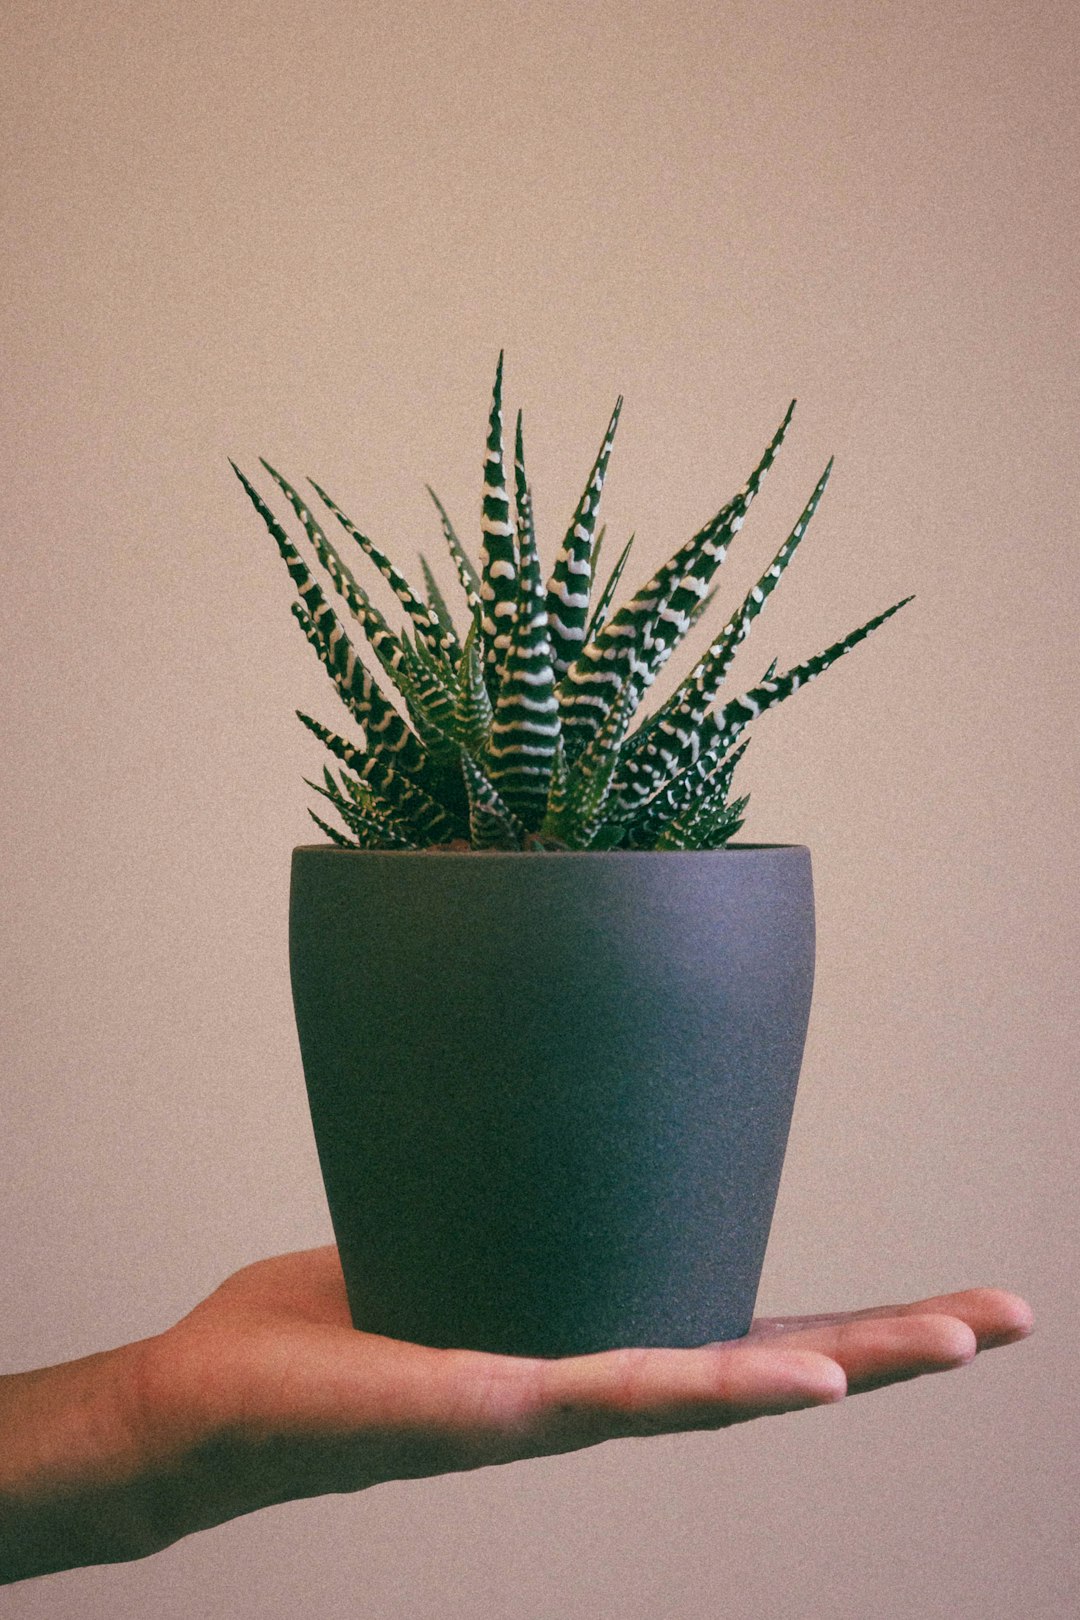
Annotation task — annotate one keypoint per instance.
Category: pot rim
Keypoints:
(515, 854)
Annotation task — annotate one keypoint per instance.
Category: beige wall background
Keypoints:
(305, 231)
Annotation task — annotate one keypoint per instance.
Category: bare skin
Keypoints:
(265, 1392)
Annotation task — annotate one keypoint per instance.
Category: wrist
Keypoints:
(78, 1471)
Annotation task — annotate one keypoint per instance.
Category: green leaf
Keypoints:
(569, 586)
(492, 823)
(770, 692)
(439, 641)
(609, 835)
(473, 711)
(719, 731)
(638, 640)
(598, 546)
(470, 580)
(429, 688)
(332, 833)
(701, 813)
(560, 782)
(600, 612)
(388, 732)
(498, 589)
(586, 791)
(358, 691)
(371, 830)
(384, 643)
(525, 728)
(683, 789)
(426, 819)
(712, 829)
(668, 738)
(436, 600)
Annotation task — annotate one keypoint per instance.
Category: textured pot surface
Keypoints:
(551, 1092)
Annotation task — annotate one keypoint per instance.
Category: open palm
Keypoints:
(266, 1392)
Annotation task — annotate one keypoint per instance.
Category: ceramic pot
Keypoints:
(551, 1091)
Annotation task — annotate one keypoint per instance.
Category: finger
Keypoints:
(874, 1351)
(994, 1316)
(584, 1399)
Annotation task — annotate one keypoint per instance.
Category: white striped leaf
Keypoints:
(570, 584)
(385, 645)
(670, 731)
(470, 579)
(737, 714)
(498, 582)
(589, 780)
(600, 613)
(439, 641)
(473, 711)
(333, 834)
(492, 823)
(640, 637)
(679, 792)
(719, 731)
(371, 831)
(525, 729)
(358, 691)
(436, 600)
(704, 812)
(716, 825)
(404, 798)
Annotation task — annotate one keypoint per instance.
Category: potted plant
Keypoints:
(551, 1017)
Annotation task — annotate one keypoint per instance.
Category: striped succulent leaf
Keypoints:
(560, 781)
(569, 587)
(517, 735)
(401, 797)
(584, 794)
(638, 640)
(642, 800)
(771, 691)
(431, 709)
(357, 689)
(430, 686)
(498, 586)
(332, 833)
(705, 805)
(638, 795)
(676, 794)
(670, 733)
(436, 600)
(525, 729)
(492, 823)
(608, 835)
(386, 732)
(391, 829)
(472, 712)
(386, 646)
(600, 612)
(370, 829)
(425, 620)
(711, 828)
(598, 546)
(470, 579)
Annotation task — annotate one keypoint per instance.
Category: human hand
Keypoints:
(265, 1392)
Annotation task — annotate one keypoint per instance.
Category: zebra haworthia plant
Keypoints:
(518, 735)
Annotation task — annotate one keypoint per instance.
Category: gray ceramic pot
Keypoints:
(551, 1091)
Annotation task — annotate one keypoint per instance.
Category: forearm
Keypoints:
(78, 1480)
